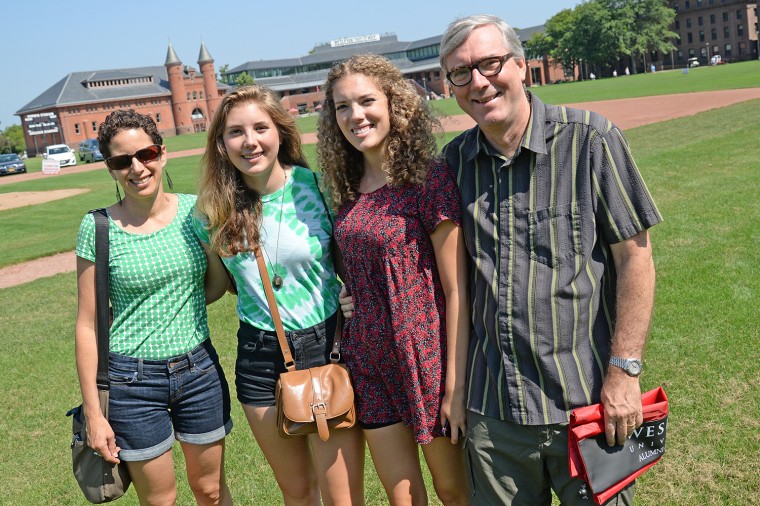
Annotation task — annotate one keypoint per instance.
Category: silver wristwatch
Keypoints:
(631, 366)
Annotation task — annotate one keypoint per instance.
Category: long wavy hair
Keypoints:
(234, 210)
(410, 147)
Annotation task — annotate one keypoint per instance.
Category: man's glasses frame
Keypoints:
(144, 155)
(488, 67)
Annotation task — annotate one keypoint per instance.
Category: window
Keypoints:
(689, 38)
(712, 19)
(686, 5)
(94, 126)
(728, 50)
(699, 20)
(703, 52)
(200, 95)
(691, 53)
(680, 55)
(699, 3)
(188, 96)
(713, 34)
(738, 14)
(76, 128)
(725, 16)
(158, 117)
(701, 36)
(725, 32)
(688, 23)
(739, 30)
(678, 25)
(675, 6)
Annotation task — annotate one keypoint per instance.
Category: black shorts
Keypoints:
(260, 362)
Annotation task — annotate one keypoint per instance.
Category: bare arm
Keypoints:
(217, 281)
(100, 436)
(451, 261)
(621, 394)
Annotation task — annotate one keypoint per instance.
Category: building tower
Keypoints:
(182, 121)
(206, 64)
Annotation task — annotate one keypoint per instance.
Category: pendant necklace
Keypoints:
(277, 279)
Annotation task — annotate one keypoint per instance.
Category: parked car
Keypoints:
(692, 62)
(62, 153)
(11, 164)
(89, 151)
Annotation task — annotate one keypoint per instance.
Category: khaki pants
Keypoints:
(511, 464)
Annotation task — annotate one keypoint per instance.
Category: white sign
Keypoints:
(347, 41)
(50, 166)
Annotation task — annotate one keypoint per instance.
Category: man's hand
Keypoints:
(621, 398)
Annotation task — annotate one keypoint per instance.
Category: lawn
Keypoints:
(702, 171)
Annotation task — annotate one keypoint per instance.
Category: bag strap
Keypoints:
(290, 364)
(335, 352)
(101, 295)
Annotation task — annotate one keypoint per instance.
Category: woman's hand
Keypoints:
(101, 438)
(346, 302)
(453, 418)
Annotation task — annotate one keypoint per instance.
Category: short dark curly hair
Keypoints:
(125, 119)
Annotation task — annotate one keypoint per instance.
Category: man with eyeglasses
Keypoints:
(555, 217)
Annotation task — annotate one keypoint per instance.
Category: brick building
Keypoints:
(728, 28)
(176, 96)
(298, 80)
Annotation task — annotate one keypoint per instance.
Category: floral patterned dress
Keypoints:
(395, 344)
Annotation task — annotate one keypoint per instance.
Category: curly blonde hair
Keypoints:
(410, 147)
(234, 210)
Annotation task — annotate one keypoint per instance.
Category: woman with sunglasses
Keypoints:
(166, 381)
(256, 191)
(398, 227)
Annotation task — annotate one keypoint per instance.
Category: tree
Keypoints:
(12, 140)
(222, 76)
(652, 20)
(244, 79)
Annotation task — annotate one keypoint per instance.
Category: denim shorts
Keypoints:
(155, 401)
(260, 362)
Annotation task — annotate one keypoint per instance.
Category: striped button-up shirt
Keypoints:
(538, 229)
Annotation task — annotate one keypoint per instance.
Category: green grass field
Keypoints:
(703, 173)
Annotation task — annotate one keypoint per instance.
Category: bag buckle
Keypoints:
(319, 407)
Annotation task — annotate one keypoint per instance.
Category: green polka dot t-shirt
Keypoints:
(157, 289)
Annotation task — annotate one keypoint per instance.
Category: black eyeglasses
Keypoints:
(144, 155)
(487, 67)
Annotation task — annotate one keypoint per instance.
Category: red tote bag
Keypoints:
(608, 469)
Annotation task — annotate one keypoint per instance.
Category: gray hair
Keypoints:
(459, 29)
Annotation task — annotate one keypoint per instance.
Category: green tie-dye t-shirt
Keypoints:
(302, 257)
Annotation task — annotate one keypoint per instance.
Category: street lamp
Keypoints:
(707, 44)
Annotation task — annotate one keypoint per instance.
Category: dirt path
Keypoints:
(625, 113)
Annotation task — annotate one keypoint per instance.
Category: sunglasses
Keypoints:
(144, 155)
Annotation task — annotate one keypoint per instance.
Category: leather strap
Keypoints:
(101, 295)
(290, 364)
(319, 406)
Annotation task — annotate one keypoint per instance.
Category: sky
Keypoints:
(45, 40)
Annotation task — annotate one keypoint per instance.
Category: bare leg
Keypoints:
(289, 458)
(205, 473)
(397, 463)
(339, 463)
(154, 480)
(446, 464)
